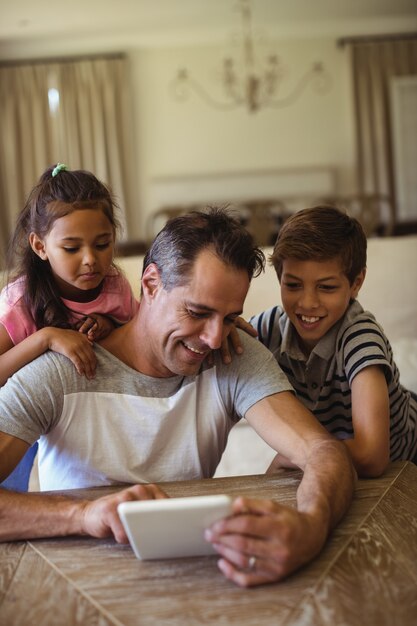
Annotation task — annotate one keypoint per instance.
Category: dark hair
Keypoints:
(176, 247)
(321, 233)
(51, 198)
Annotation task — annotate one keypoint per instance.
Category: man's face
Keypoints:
(315, 295)
(186, 323)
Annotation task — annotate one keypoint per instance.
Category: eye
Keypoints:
(71, 250)
(196, 315)
(292, 285)
(103, 246)
(328, 288)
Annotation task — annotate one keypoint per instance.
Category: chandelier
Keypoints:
(256, 87)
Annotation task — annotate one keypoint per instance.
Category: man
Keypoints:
(158, 410)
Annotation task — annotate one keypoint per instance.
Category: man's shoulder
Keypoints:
(254, 353)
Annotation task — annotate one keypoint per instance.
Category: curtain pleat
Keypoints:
(374, 63)
(88, 131)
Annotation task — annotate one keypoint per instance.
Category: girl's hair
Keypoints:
(319, 234)
(52, 197)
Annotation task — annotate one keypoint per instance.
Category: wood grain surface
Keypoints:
(366, 575)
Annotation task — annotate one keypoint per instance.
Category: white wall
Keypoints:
(191, 139)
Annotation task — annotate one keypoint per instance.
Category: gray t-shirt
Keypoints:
(124, 426)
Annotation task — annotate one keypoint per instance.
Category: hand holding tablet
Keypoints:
(172, 527)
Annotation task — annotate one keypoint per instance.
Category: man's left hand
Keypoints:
(263, 542)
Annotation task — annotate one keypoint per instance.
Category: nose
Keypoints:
(89, 257)
(308, 299)
(212, 333)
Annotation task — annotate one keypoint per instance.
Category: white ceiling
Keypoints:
(126, 23)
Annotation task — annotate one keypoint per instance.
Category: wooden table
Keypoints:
(366, 575)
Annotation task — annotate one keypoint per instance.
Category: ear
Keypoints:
(357, 283)
(38, 246)
(151, 282)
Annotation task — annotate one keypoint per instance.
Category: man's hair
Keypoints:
(177, 245)
(319, 234)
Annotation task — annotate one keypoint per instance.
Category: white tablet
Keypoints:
(173, 527)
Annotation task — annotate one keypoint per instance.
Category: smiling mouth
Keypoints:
(306, 319)
(195, 350)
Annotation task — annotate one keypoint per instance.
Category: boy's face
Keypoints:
(315, 295)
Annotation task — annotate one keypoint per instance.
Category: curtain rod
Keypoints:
(51, 60)
(344, 41)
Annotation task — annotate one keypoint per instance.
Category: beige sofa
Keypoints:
(389, 292)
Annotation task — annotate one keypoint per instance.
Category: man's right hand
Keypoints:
(101, 519)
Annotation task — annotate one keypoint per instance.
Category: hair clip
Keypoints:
(59, 168)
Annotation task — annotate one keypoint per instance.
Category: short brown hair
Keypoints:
(321, 233)
(175, 248)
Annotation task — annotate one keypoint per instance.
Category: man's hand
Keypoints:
(100, 517)
(264, 541)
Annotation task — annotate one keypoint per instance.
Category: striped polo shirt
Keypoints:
(322, 381)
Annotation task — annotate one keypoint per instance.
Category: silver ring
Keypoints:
(252, 562)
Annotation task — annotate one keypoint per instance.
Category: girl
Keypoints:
(65, 292)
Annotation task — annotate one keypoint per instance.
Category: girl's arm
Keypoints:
(370, 446)
(70, 343)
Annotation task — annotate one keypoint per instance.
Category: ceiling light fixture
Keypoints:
(256, 88)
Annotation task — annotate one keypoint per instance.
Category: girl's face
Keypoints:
(79, 248)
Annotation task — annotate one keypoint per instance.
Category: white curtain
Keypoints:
(89, 129)
(374, 63)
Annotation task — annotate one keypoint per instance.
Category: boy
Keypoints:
(334, 353)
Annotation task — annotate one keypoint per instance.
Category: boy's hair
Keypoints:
(52, 197)
(177, 245)
(318, 234)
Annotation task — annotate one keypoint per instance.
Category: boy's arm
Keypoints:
(370, 446)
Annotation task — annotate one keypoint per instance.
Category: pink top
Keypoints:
(115, 300)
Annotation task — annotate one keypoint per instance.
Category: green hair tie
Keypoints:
(60, 167)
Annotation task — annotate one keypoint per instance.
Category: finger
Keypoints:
(225, 352)
(84, 327)
(90, 323)
(246, 535)
(256, 506)
(91, 334)
(145, 491)
(85, 361)
(134, 493)
(241, 323)
(234, 338)
(245, 578)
